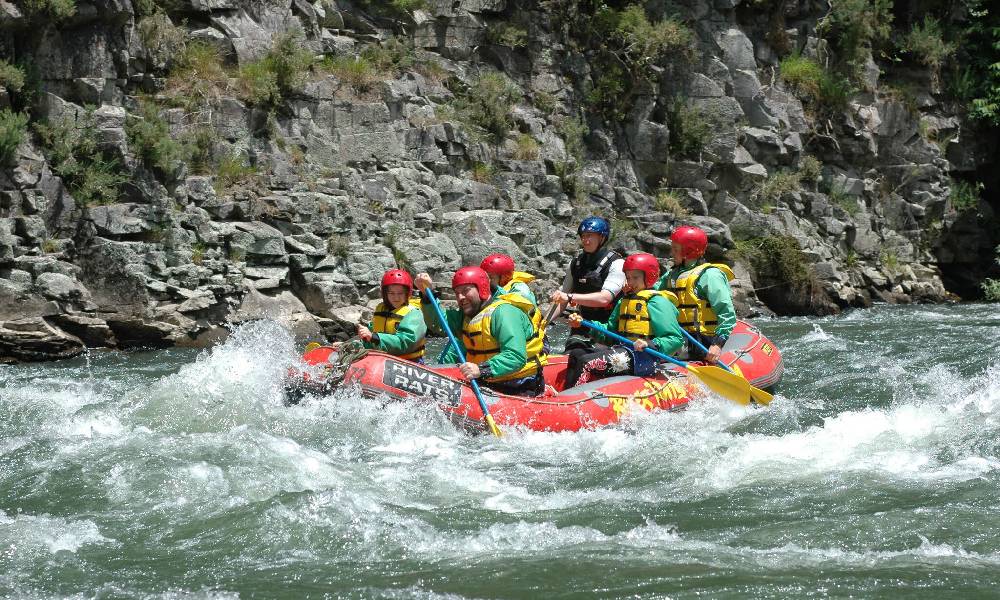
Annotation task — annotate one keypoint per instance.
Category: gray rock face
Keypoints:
(353, 179)
(34, 339)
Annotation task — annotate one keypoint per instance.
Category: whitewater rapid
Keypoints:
(182, 474)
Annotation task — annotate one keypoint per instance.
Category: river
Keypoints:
(180, 474)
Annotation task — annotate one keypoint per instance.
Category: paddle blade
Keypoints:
(760, 396)
(728, 385)
(492, 425)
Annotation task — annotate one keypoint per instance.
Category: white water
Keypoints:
(880, 460)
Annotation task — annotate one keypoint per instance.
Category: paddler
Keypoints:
(500, 268)
(503, 349)
(646, 316)
(702, 288)
(397, 327)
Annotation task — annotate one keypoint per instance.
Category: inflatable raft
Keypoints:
(595, 404)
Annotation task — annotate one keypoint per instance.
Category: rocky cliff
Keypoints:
(182, 165)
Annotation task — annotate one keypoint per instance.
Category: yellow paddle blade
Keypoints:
(760, 396)
(728, 385)
(492, 425)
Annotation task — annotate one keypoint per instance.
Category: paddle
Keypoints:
(728, 385)
(491, 424)
(759, 396)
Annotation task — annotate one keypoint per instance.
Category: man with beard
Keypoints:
(502, 347)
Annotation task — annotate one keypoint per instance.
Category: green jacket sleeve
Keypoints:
(511, 329)
(667, 334)
(713, 286)
(409, 333)
(433, 327)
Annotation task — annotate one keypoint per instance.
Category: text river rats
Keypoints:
(411, 378)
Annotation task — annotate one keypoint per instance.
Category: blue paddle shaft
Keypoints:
(458, 349)
(702, 347)
(620, 338)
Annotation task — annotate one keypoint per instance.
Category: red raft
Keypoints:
(588, 406)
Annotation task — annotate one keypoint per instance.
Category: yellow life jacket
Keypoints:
(696, 315)
(386, 320)
(520, 277)
(633, 314)
(480, 345)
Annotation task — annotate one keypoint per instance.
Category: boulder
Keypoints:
(284, 308)
(35, 339)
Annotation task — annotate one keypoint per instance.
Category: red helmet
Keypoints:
(646, 263)
(474, 276)
(498, 264)
(692, 241)
(397, 277)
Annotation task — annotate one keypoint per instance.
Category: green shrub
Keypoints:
(391, 57)
(775, 186)
(669, 202)
(150, 138)
(198, 252)
(991, 289)
(290, 61)
(690, 130)
(13, 126)
(964, 195)
(161, 38)
(72, 150)
(890, 260)
(823, 92)
(851, 260)
(356, 72)
(55, 10)
(855, 26)
(258, 84)
(199, 150)
(233, 169)
(810, 168)
(926, 42)
(483, 172)
(625, 50)
(846, 201)
(978, 80)
(409, 5)
(609, 89)
(545, 102)
(778, 261)
(573, 131)
(338, 245)
(198, 76)
(11, 76)
(526, 148)
(487, 103)
(647, 41)
(278, 75)
(834, 94)
(505, 34)
(803, 75)
(432, 70)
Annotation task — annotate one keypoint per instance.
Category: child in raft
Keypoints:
(397, 326)
(645, 316)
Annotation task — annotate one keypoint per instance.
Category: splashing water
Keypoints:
(181, 474)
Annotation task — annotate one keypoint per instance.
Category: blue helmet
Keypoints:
(597, 225)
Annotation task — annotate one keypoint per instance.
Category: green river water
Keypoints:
(875, 473)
